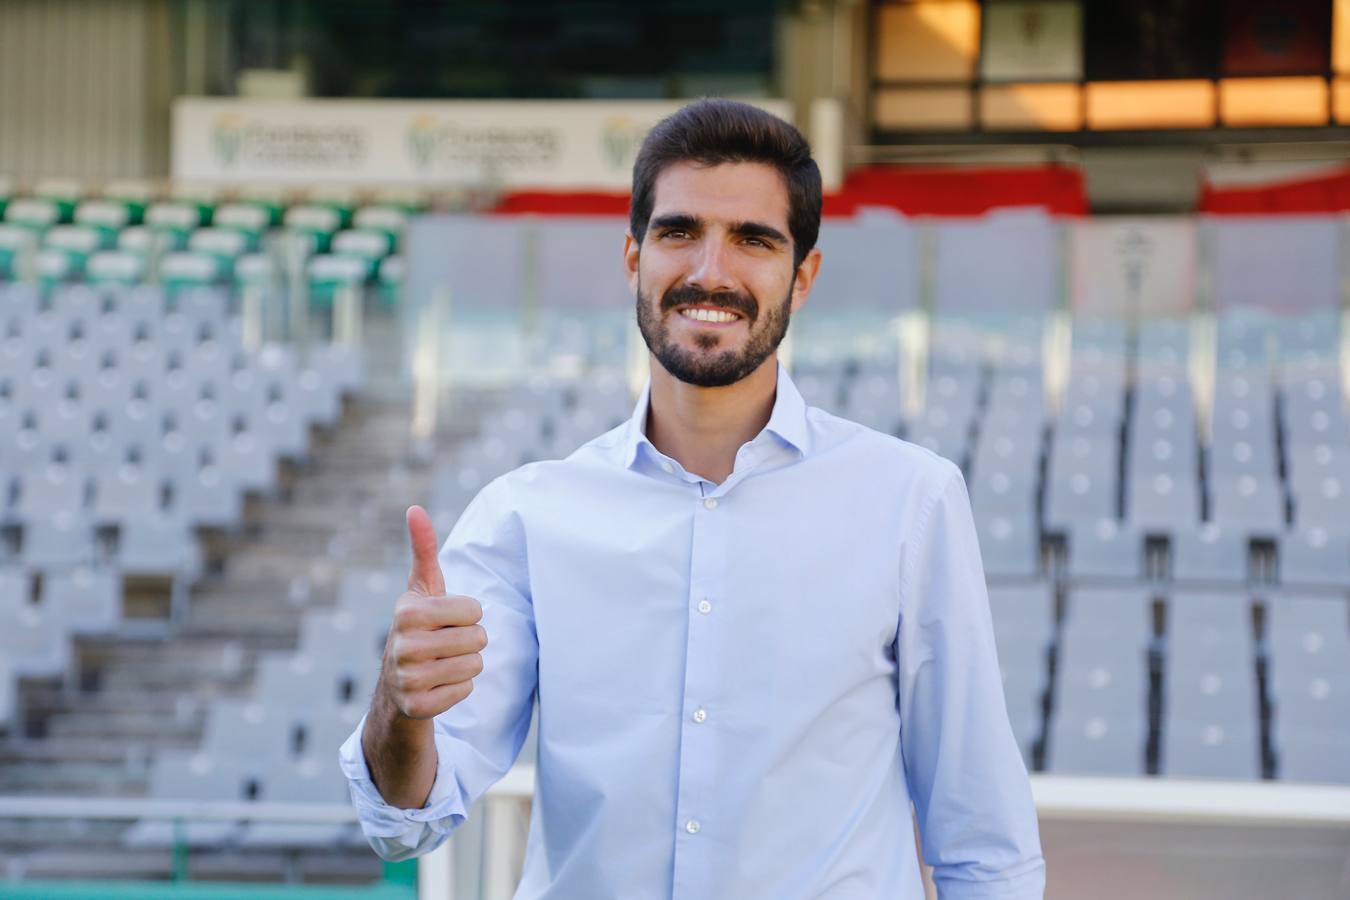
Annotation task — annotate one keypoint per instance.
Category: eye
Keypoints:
(674, 232)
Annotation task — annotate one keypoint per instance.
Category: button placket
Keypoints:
(698, 739)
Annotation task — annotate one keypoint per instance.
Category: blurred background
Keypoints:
(272, 271)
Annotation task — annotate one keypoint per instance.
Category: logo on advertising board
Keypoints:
(238, 142)
(421, 140)
(227, 136)
(435, 143)
(620, 139)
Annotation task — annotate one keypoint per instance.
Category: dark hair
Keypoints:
(711, 131)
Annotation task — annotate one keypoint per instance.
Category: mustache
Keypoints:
(686, 295)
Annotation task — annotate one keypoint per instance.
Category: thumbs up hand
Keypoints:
(433, 650)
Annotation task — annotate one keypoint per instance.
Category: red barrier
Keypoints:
(1325, 192)
(949, 191)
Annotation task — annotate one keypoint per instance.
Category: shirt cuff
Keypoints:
(441, 814)
(1027, 885)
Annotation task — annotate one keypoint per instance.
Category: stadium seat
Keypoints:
(1209, 553)
(1010, 545)
(1315, 557)
(1207, 749)
(1105, 549)
(178, 776)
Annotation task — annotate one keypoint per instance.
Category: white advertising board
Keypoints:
(558, 145)
(1032, 41)
(1128, 266)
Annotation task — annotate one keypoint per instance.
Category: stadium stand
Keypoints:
(1167, 558)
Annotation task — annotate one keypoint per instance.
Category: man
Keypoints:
(757, 632)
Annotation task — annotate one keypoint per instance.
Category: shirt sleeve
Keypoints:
(972, 797)
(478, 739)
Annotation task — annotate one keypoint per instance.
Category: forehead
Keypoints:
(727, 192)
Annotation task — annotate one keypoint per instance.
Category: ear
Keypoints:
(806, 276)
(631, 248)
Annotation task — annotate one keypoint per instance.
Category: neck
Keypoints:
(704, 427)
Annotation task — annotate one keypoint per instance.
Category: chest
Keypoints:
(774, 579)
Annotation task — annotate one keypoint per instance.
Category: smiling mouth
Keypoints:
(709, 316)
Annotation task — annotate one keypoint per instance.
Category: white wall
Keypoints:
(84, 88)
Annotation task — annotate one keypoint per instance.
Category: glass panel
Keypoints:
(1273, 101)
(924, 108)
(1052, 107)
(1150, 104)
(928, 41)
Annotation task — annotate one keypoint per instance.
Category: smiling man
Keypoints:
(758, 634)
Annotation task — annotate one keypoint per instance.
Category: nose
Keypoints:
(712, 272)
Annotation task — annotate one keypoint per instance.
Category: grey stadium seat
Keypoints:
(1315, 557)
(1105, 549)
(191, 776)
(1209, 554)
(1208, 749)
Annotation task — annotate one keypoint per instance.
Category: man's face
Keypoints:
(713, 277)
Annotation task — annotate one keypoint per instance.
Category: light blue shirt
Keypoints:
(742, 686)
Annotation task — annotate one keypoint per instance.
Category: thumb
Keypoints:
(426, 570)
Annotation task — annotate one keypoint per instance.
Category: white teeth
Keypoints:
(709, 315)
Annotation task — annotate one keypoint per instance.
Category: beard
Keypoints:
(710, 368)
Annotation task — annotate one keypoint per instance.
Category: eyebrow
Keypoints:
(741, 229)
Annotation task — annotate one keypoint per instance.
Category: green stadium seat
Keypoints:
(368, 244)
(115, 267)
(33, 213)
(143, 239)
(134, 194)
(6, 194)
(78, 241)
(330, 272)
(341, 200)
(54, 266)
(13, 240)
(268, 198)
(254, 268)
(248, 218)
(203, 197)
(184, 269)
(387, 219)
(319, 222)
(226, 244)
(177, 219)
(109, 216)
(63, 192)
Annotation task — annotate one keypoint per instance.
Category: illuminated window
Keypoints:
(1150, 104)
(1031, 107)
(1340, 100)
(1273, 101)
(1340, 36)
(938, 40)
(924, 109)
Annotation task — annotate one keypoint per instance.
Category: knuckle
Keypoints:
(405, 615)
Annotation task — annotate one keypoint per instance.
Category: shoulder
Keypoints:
(852, 444)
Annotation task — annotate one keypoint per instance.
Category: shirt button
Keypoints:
(692, 826)
(700, 715)
(704, 607)
(668, 467)
(710, 503)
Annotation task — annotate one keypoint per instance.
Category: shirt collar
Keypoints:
(787, 421)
